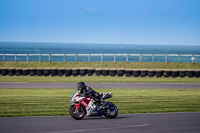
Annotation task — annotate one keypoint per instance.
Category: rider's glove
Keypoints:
(90, 95)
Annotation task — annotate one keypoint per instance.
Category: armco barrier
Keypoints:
(189, 58)
(174, 73)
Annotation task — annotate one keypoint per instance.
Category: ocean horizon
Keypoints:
(90, 48)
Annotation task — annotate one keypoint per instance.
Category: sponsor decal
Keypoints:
(88, 98)
(85, 104)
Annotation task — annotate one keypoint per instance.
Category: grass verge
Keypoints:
(98, 79)
(132, 65)
(52, 102)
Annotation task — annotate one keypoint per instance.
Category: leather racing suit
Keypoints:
(89, 92)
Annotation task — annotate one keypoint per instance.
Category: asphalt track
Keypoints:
(103, 85)
(124, 123)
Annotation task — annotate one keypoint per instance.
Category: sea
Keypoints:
(89, 48)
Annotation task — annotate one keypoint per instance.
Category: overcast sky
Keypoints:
(101, 21)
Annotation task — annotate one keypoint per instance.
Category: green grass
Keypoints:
(132, 65)
(52, 102)
(98, 79)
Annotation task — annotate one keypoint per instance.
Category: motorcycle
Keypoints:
(87, 106)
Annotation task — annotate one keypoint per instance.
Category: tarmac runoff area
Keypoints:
(124, 123)
(103, 85)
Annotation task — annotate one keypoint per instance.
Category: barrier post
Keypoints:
(76, 58)
(193, 58)
(179, 58)
(64, 57)
(152, 58)
(15, 58)
(140, 58)
(166, 58)
(49, 58)
(126, 58)
(89, 58)
(114, 58)
(101, 58)
(40, 58)
(27, 57)
(3, 57)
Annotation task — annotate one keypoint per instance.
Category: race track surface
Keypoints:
(104, 85)
(124, 123)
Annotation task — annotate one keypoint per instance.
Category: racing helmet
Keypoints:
(80, 86)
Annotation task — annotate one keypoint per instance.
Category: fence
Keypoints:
(186, 58)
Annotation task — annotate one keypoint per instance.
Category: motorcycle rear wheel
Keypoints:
(112, 111)
(77, 114)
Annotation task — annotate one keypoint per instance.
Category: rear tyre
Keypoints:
(77, 114)
(112, 111)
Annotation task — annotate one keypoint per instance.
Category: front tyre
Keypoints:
(77, 114)
(112, 111)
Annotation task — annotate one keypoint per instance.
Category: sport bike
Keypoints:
(87, 106)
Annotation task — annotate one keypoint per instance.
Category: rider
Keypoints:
(86, 91)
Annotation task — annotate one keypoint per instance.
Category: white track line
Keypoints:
(100, 129)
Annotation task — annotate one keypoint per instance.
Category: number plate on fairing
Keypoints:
(91, 106)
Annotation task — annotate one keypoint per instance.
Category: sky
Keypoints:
(174, 22)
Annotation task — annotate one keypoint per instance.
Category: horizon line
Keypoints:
(99, 43)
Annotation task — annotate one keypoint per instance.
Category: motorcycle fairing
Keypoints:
(90, 107)
(87, 103)
(106, 95)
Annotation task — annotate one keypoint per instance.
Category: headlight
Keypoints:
(72, 101)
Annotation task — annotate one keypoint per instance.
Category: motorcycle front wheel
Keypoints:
(112, 111)
(77, 114)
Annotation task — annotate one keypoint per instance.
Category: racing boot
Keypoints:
(101, 106)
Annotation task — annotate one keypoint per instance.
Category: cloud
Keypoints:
(89, 11)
